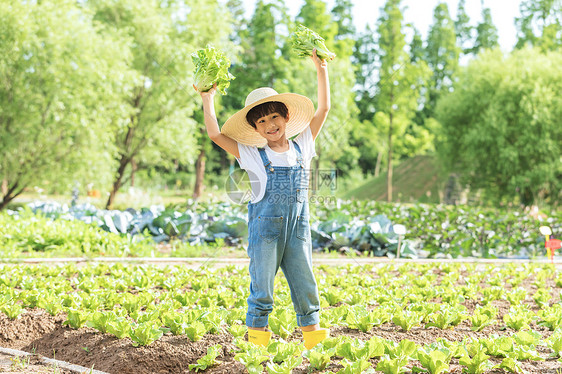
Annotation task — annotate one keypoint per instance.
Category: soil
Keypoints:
(37, 331)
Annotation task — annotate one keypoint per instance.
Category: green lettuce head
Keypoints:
(304, 41)
(211, 66)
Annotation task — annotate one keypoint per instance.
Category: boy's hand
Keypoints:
(211, 93)
(320, 64)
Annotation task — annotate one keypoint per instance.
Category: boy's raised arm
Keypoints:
(212, 125)
(323, 95)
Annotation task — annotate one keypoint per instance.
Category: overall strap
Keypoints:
(265, 159)
(299, 153)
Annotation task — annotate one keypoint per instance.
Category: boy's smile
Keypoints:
(272, 127)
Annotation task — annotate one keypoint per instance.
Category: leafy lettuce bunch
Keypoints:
(211, 66)
(304, 40)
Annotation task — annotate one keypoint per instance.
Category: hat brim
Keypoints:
(301, 111)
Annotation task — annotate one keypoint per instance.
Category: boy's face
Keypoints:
(272, 126)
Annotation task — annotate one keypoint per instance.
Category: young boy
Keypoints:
(278, 214)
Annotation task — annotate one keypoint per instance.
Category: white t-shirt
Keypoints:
(250, 160)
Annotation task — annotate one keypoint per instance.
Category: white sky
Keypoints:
(420, 14)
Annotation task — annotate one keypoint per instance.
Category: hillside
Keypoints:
(415, 179)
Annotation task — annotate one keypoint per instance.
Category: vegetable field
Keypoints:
(434, 318)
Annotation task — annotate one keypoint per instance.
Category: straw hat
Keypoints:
(301, 111)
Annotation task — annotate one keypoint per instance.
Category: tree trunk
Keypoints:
(117, 184)
(4, 187)
(378, 164)
(199, 174)
(389, 166)
(133, 171)
(10, 194)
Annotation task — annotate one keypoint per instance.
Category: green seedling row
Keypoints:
(143, 303)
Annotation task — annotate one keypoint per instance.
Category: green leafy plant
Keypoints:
(11, 309)
(435, 361)
(482, 317)
(407, 319)
(356, 367)
(119, 327)
(554, 342)
(286, 367)
(211, 66)
(145, 334)
(304, 41)
(252, 359)
(393, 365)
(518, 318)
(280, 351)
(208, 360)
(76, 318)
(100, 320)
(195, 331)
(319, 356)
(475, 360)
(282, 322)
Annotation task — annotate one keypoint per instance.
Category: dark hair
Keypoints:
(266, 109)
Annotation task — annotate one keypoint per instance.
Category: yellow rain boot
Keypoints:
(259, 337)
(311, 338)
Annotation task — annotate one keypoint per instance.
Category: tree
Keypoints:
(442, 55)
(463, 30)
(399, 80)
(540, 24)
(502, 125)
(365, 62)
(486, 33)
(60, 79)
(162, 35)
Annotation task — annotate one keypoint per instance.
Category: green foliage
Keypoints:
(510, 106)
(475, 360)
(145, 334)
(286, 367)
(252, 359)
(208, 360)
(76, 318)
(435, 361)
(483, 317)
(211, 66)
(304, 41)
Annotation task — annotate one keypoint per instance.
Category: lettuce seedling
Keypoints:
(252, 359)
(281, 351)
(12, 309)
(356, 366)
(482, 317)
(100, 320)
(237, 331)
(435, 361)
(407, 319)
(76, 318)
(195, 331)
(304, 40)
(319, 356)
(555, 343)
(393, 365)
(282, 323)
(211, 66)
(475, 361)
(286, 367)
(145, 334)
(120, 327)
(512, 365)
(208, 360)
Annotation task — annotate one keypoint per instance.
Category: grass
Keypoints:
(417, 179)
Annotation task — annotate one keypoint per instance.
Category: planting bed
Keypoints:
(511, 313)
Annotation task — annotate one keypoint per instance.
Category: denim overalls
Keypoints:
(279, 235)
